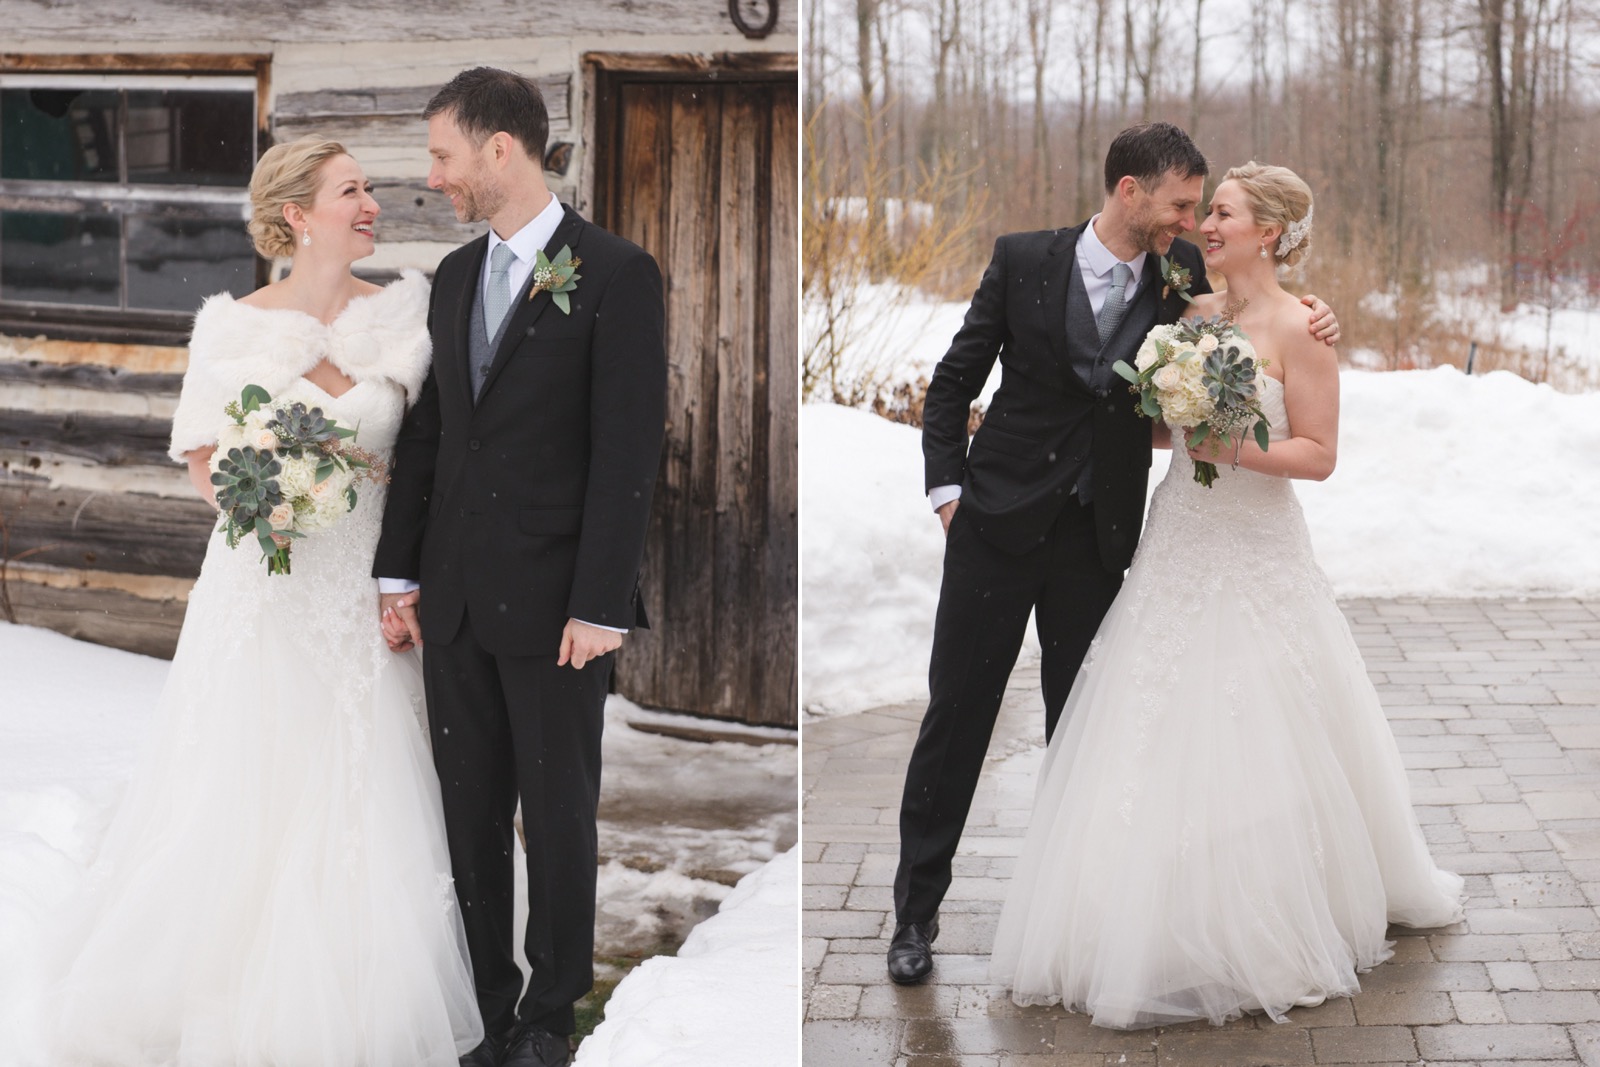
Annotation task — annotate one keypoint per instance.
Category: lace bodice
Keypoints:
(330, 596)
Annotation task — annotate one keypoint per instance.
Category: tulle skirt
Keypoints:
(275, 889)
(1223, 823)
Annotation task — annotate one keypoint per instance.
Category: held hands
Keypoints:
(402, 627)
(1324, 326)
(948, 512)
(581, 643)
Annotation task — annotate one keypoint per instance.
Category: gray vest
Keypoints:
(480, 346)
(1088, 359)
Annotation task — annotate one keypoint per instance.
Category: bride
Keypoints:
(275, 888)
(1224, 825)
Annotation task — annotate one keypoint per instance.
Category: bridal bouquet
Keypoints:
(283, 470)
(1199, 373)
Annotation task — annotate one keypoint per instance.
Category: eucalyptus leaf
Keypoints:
(561, 300)
(1261, 434)
(253, 396)
(1200, 434)
(1149, 405)
(1122, 368)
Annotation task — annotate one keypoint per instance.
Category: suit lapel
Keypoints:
(525, 313)
(1055, 275)
(461, 317)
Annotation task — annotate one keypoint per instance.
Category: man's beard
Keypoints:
(1147, 236)
(478, 200)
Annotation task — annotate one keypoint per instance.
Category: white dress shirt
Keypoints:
(1095, 263)
(523, 244)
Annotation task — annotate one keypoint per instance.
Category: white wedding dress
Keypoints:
(275, 888)
(1222, 822)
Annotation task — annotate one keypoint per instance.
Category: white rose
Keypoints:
(1207, 343)
(264, 439)
(294, 481)
(282, 517)
(1170, 376)
(1147, 356)
(232, 436)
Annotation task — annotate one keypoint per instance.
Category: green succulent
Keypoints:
(299, 428)
(246, 483)
(1231, 381)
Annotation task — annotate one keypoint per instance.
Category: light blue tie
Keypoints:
(498, 299)
(1116, 301)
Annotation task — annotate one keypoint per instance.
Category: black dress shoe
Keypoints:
(534, 1046)
(911, 951)
(487, 1054)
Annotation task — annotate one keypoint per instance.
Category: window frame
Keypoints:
(119, 72)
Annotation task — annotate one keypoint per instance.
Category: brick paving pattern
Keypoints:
(1496, 708)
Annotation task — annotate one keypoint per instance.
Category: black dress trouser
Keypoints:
(505, 727)
(984, 601)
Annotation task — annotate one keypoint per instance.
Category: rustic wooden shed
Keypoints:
(672, 123)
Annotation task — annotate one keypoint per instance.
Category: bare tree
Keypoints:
(1039, 17)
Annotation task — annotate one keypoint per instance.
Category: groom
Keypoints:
(1043, 512)
(520, 495)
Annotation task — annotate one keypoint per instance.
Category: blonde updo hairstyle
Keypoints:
(1277, 197)
(287, 174)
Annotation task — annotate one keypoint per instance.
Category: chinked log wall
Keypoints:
(102, 532)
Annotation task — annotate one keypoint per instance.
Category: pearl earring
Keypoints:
(306, 240)
(1263, 248)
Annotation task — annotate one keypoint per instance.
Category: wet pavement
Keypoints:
(1496, 708)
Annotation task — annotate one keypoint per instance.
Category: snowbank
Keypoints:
(731, 996)
(1447, 485)
(676, 816)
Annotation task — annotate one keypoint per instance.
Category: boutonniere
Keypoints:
(556, 277)
(1177, 279)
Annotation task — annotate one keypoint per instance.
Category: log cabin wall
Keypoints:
(101, 536)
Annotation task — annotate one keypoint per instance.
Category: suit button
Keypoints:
(474, 444)
(1103, 393)
(1109, 407)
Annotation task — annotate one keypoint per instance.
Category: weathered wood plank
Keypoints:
(695, 63)
(87, 376)
(116, 440)
(122, 532)
(413, 212)
(664, 134)
(111, 617)
(404, 102)
(782, 562)
(133, 358)
(376, 20)
(143, 62)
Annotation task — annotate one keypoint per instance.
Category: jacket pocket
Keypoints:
(551, 522)
(994, 439)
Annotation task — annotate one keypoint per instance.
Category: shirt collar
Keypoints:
(535, 235)
(1101, 259)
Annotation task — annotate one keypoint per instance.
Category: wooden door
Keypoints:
(704, 175)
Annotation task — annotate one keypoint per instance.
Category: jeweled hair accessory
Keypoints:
(1295, 233)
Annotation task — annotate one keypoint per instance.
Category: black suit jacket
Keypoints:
(530, 507)
(1045, 421)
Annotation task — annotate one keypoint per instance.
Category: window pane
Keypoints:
(190, 138)
(59, 259)
(58, 134)
(174, 263)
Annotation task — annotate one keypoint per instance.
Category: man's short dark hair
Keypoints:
(484, 101)
(1149, 152)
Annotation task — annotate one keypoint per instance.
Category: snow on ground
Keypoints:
(1447, 485)
(680, 820)
(729, 998)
